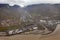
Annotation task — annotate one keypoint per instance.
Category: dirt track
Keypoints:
(54, 36)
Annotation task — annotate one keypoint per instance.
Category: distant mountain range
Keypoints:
(50, 10)
(45, 9)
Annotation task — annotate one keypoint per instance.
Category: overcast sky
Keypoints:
(23, 3)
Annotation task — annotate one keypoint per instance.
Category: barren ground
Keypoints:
(54, 36)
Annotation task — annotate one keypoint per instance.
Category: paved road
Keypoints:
(54, 36)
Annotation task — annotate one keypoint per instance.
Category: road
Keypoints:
(54, 36)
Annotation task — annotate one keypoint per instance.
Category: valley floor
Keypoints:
(54, 36)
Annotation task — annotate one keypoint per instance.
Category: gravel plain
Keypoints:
(54, 36)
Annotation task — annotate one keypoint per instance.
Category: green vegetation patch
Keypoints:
(9, 28)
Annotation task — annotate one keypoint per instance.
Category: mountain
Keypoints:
(50, 10)
(44, 10)
(7, 11)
